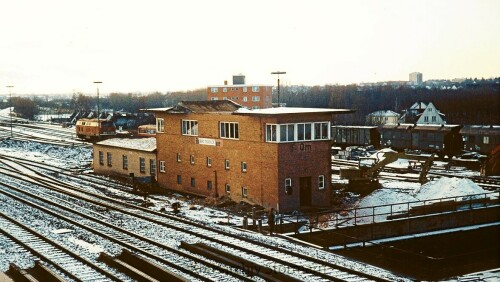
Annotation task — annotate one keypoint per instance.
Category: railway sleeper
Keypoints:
(139, 268)
(249, 267)
(39, 272)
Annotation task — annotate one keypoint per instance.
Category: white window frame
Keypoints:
(214, 98)
(244, 192)
(191, 159)
(189, 127)
(288, 182)
(486, 140)
(209, 162)
(255, 98)
(179, 157)
(255, 89)
(245, 89)
(214, 89)
(229, 130)
(162, 166)
(321, 182)
(243, 166)
(226, 164)
(245, 99)
(224, 89)
(160, 125)
(227, 188)
(272, 132)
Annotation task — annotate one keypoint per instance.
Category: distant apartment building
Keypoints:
(416, 78)
(251, 96)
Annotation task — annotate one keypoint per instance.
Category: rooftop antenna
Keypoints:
(278, 73)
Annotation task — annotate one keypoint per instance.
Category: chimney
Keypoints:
(225, 82)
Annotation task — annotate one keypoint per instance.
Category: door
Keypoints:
(305, 191)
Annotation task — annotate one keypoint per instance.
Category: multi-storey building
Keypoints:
(416, 78)
(251, 96)
(275, 157)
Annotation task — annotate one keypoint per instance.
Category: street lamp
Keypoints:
(97, 83)
(278, 73)
(10, 108)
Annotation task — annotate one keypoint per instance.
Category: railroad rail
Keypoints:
(302, 266)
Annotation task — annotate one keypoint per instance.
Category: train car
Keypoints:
(147, 130)
(480, 138)
(345, 136)
(94, 129)
(439, 139)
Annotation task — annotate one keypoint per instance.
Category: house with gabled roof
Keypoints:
(421, 113)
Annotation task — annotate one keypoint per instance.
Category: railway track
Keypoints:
(299, 262)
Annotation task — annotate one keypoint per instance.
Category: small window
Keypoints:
(243, 166)
(152, 167)
(178, 157)
(179, 179)
(162, 166)
(209, 185)
(101, 158)
(288, 182)
(125, 161)
(244, 192)
(142, 165)
(255, 98)
(214, 89)
(227, 188)
(191, 159)
(110, 159)
(214, 98)
(226, 164)
(245, 99)
(486, 140)
(209, 162)
(224, 89)
(160, 125)
(193, 182)
(321, 182)
(255, 88)
(244, 89)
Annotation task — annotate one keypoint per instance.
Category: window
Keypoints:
(321, 131)
(321, 182)
(304, 131)
(214, 98)
(486, 140)
(244, 192)
(101, 158)
(209, 162)
(227, 188)
(224, 89)
(229, 130)
(142, 165)
(255, 107)
(160, 125)
(190, 127)
(125, 162)
(214, 89)
(226, 164)
(178, 157)
(255, 88)
(288, 182)
(109, 157)
(434, 118)
(255, 98)
(287, 132)
(271, 130)
(191, 159)
(162, 166)
(225, 98)
(193, 182)
(243, 166)
(426, 118)
(179, 179)
(209, 185)
(245, 89)
(152, 167)
(245, 99)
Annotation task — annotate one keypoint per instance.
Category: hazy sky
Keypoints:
(63, 46)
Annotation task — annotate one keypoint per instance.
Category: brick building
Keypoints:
(275, 157)
(123, 156)
(254, 96)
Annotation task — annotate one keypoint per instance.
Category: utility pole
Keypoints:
(98, 124)
(10, 108)
(278, 73)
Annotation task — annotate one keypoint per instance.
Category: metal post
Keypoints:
(278, 73)
(98, 123)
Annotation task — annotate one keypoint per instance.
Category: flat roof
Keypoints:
(241, 85)
(140, 144)
(291, 110)
(155, 109)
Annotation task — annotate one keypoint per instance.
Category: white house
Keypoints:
(421, 113)
(383, 117)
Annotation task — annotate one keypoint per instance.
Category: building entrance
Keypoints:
(305, 191)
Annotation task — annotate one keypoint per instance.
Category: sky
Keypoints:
(57, 46)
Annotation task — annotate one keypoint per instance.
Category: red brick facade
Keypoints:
(249, 96)
(268, 164)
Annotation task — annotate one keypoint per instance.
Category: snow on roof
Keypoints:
(448, 187)
(140, 144)
(156, 109)
(387, 113)
(291, 110)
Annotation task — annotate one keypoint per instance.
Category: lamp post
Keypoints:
(10, 108)
(98, 124)
(278, 73)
